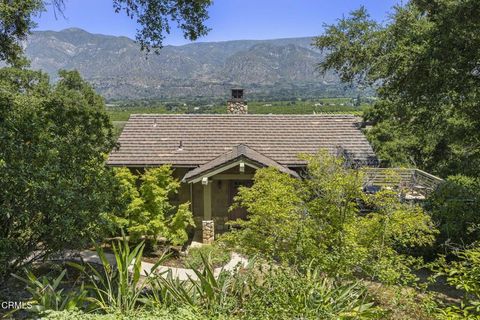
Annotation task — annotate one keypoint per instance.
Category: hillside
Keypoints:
(281, 68)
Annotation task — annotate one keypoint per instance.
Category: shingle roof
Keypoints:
(150, 140)
(237, 152)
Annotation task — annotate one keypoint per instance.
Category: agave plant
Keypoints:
(118, 286)
(48, 295)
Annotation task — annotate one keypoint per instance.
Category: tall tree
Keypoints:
(153, 16)
(425, 64)
(53, 143)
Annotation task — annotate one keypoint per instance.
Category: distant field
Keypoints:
(331, 105)
(121, 114)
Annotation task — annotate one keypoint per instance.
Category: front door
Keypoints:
(237, 213)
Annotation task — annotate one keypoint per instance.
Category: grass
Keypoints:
(216, 254)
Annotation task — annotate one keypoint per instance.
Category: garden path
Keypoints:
(180, 273)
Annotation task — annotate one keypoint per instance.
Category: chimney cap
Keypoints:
(237, 93)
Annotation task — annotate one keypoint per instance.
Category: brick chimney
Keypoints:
(236, 104)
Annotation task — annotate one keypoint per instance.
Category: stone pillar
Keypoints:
(237, 107)
(208, 231)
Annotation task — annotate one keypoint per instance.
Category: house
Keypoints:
(215, 154)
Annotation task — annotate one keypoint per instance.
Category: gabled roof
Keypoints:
(240, 152)
(193, 140)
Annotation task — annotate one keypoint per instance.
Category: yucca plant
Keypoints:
(48, 295)
(206, 291)
(118, 286)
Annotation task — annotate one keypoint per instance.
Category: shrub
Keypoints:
(274, 293)
(145, 208)
(319, 218)
(275, 224)
(47, 293)
(288, 294)
(454, 207)
(464, 274)
(254, 292)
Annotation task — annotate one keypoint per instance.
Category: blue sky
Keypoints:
(229, 19)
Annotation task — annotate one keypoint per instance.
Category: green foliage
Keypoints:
(275, 222)
(145, 208)
(16, 20)
(423, 65)
(214, 294)
(155, 314)
(288, 294)
(47, 294)
(155, 17)
(216, 254)
(464, 274)
(319, 218)
(53, 144)
(118, 286)
(256, 293)
(244, 293)
(349, 46)
(454, 207)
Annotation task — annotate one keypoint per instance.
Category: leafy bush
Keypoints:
(275, 225)
(288, 294)
(55, 187)
(145, 208)
(215, 253)
(46, 293)
(319, 218)
(454, 207)
(275, 293)
(464, 274)
(254, 292)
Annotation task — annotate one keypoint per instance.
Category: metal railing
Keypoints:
(403, 178)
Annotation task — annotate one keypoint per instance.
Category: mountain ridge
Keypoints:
(116, 67)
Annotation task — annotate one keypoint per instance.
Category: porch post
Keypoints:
(208, 227)
(207, 200)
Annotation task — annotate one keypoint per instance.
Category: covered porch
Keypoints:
(214, 185)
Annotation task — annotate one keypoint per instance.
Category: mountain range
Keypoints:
(116, 67)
